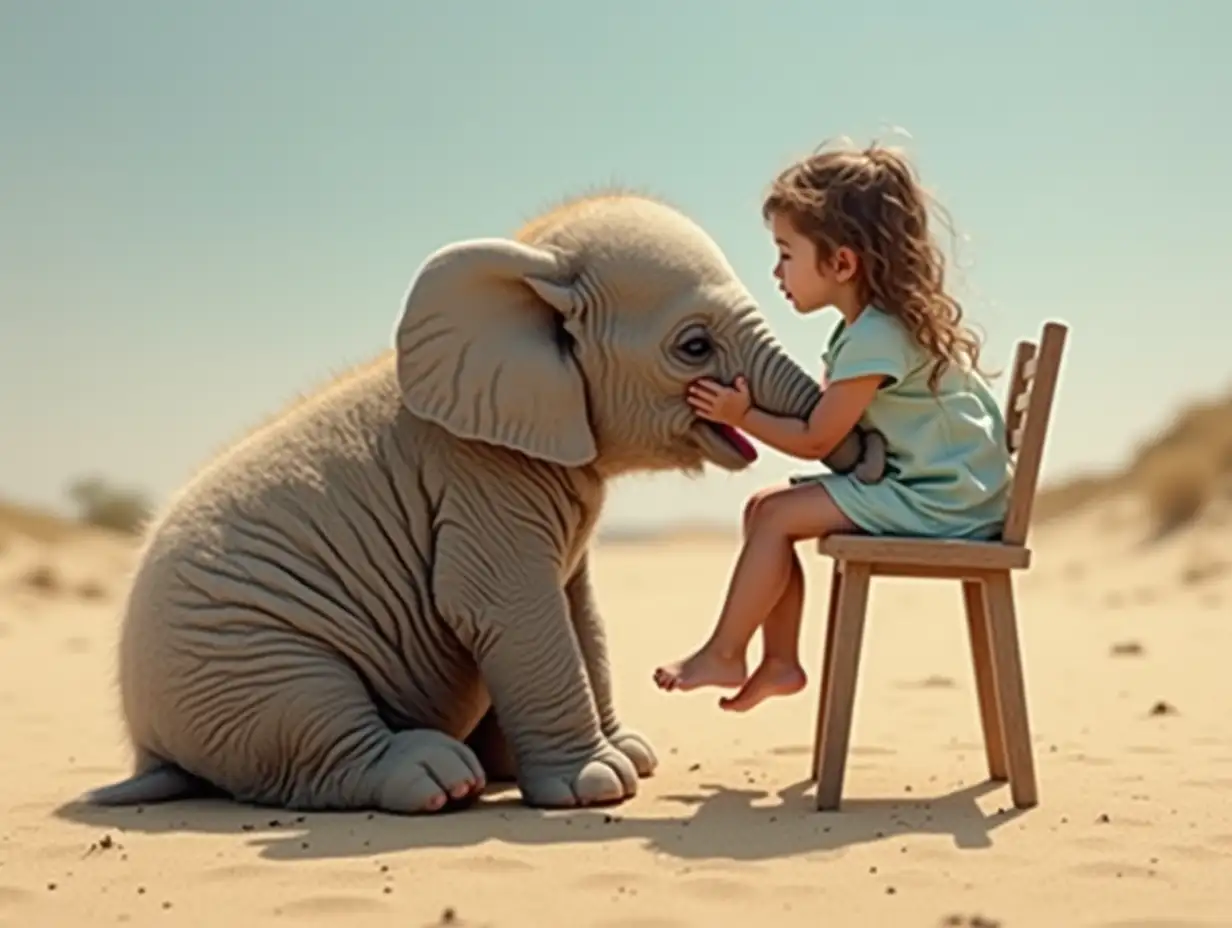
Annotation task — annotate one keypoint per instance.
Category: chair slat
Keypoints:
(1016, 438)
(1030, 452)
(1020, 381)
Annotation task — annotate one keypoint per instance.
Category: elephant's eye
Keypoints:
(696, 348)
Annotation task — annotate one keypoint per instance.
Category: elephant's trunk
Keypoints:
(777, 383)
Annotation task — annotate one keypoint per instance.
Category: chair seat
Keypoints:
(939, 553)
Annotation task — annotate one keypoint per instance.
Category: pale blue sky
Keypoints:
(207, 207)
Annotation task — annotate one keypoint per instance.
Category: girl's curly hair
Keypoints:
(871, 201)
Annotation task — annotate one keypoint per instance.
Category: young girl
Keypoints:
(852, 233)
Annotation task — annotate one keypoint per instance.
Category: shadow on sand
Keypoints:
(715, 824)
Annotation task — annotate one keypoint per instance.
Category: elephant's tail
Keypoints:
(158, 784)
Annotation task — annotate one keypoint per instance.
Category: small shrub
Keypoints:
(1203, 567)
(91, 589)
(42, 579)
(104, 506)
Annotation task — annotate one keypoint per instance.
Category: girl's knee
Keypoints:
(766, 511)
(798, 513)
(752, 505)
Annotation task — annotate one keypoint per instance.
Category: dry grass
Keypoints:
(41, 579)
(103, 509)
(1076, 493)
(91, 589)
(36, 524)
(1177, 473)
(1177, 487)
(1203, 567)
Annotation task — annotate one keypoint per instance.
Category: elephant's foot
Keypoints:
(604, 777)
(489, 744)
(637, 749)
(423, 771)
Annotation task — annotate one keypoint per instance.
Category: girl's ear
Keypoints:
(845, 263)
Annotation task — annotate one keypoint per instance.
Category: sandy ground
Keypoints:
(1134, 826)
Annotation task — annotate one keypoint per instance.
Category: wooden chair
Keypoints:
(985, 571)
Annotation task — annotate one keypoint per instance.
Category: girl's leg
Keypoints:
(781, 630)
(780, 672)
(730, 674)
(763, 576)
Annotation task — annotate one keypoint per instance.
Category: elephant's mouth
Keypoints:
(726, 446)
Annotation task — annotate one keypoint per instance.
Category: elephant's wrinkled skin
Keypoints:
(324, 616)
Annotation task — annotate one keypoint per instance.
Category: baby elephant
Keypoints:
(382, 597)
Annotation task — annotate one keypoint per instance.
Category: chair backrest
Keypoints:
(1028, 410)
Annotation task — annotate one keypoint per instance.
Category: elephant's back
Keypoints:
(299, 539)
(302, 465)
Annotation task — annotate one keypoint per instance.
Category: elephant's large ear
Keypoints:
(480, 350)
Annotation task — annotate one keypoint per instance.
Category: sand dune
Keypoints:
(1125, 649)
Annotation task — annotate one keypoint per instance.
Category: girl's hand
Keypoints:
(727, 405)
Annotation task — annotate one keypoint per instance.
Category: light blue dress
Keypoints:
(948, 470)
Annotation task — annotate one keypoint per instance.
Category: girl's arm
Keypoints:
(841, 406)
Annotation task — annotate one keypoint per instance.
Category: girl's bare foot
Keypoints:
(773, 677)
(705, 668)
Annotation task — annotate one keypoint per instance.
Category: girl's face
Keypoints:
(809, 284)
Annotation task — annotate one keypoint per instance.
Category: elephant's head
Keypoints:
(575, 341)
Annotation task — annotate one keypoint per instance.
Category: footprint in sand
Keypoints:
(331, 906)
(241, 872)
(612, 880)
(1095, 844)
(1219, 783)
(964, 746)
(798, 892)
(12, 897)
(1090, 761)
(1111, 869)
(1197, 852)
(714, 887)
(1208, 741)
(932, 682)
(489, 864)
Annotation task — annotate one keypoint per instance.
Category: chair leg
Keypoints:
(985, 683)
(836, 583)
(839, 698)
(1011, 689)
